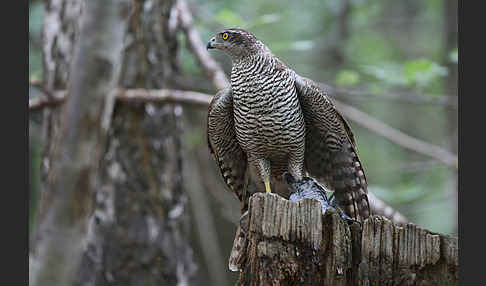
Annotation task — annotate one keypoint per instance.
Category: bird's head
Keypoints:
(237, 43)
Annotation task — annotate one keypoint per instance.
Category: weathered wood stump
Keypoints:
(294, 244)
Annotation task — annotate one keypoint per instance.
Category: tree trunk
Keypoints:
(78, 144)
(141, 224)
(294, 244)
(138, 231)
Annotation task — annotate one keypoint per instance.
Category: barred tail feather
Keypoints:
(349, 182)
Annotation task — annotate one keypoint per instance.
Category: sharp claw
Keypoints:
(316, 191)
(342, 213)
(288, 178)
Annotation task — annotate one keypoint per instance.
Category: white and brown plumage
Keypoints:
(272, 120)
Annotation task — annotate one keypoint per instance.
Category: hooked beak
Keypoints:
(209, 46)
(213, 44)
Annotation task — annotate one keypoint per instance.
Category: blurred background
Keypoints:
(394, 60)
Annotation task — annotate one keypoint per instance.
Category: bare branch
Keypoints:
(418, 99)
(43, 101)
(210, 67)
(396, 136)
(379, 207)
(164, 96)
(201, 99)
(134, 95)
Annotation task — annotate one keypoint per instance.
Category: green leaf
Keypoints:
(347, 78)
(419, 73)
(389, 73)
(228, 18)
(422, 72)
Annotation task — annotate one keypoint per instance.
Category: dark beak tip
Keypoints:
(208, 46)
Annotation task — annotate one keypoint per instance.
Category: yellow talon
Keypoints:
(267, 187)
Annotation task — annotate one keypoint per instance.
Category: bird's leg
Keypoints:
(267, 186)
(263, 166)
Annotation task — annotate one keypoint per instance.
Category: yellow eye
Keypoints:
(225, 36)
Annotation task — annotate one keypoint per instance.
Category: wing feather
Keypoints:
(330, 149)
(222, 143)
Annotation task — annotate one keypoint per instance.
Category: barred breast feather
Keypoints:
(268, 119)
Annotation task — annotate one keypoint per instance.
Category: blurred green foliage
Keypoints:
(347, 78)
(376, 47)
(36, 14)
(422, 72)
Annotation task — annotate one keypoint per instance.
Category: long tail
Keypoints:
(349, 183)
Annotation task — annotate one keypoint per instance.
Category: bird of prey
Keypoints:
(271, 121)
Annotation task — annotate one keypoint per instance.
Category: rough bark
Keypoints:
(138, 232)
(78, 145)
(141, 225)
(294, 244)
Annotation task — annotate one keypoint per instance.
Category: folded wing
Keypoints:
(330, 150)
(222, 143)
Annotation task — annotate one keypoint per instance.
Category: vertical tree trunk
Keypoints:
(141, 225)
(138, 233)
(59, 36)
(78, 145)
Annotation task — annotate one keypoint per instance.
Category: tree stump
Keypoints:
(294, 244)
